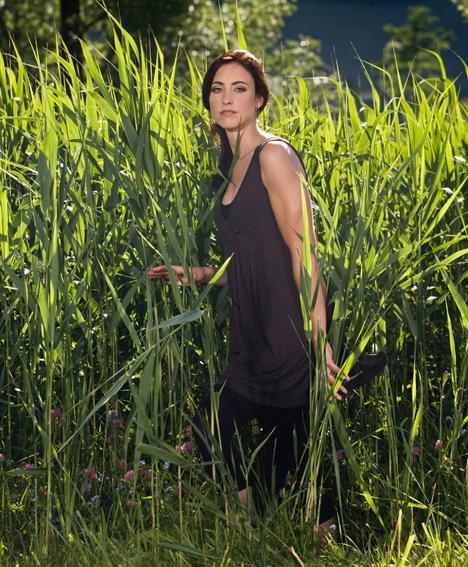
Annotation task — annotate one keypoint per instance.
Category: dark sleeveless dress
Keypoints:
(269, 358)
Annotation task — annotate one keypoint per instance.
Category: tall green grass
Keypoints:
(105, 175)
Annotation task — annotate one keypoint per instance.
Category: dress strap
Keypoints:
(314, 205)
(278, 139)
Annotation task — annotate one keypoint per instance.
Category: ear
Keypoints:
(259, 100)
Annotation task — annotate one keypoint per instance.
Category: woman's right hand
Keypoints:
(162, 272)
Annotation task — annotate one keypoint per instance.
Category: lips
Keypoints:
(228, 113)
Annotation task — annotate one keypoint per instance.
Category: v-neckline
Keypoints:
(242, 182)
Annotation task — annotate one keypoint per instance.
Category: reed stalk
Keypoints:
(106, 173)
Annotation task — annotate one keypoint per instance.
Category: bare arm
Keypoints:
(200, 274)
(281, 174)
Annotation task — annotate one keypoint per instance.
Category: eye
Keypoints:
(241, 89)
(216, 89)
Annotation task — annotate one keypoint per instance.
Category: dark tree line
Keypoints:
(194, 26)
(37, 20)
(191, 26)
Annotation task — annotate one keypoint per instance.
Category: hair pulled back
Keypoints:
(254, 67)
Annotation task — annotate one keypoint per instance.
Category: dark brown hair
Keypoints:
(254, 67)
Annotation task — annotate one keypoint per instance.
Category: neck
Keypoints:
(245, 140)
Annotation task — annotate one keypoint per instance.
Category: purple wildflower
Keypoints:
(91, 474)
(110, 439)
(185, 448)
(438, 444)
(117, 422)
(416, 451)
(56, 415)
(129, 476)
(340, 455)
(2, 457)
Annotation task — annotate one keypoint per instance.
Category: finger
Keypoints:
(157, 270)
(346, 378)
(331, 381)
(333, 367)
(336, 370)
(155, 275)
(331, 378)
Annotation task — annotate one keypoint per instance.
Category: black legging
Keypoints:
(278, 455)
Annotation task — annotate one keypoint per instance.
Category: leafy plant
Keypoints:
(101, 370)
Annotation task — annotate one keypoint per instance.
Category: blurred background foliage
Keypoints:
(105, 171)
(194, 26)
(410, 43)
(462, 6)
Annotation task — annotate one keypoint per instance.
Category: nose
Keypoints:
(227, 98)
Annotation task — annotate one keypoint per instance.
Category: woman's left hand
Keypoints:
(332, 370)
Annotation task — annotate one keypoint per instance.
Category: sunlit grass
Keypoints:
(101, 179)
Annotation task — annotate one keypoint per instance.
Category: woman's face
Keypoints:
(233, 102)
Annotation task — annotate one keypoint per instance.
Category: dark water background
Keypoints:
(341, 24)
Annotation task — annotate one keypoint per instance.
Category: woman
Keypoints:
(259, 218)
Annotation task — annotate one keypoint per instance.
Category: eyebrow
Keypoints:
(234, 83)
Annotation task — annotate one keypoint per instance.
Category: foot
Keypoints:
(326, 532)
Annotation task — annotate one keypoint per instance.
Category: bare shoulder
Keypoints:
(279, 164)
(278, 153)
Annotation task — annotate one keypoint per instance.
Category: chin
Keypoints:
(233, 127)
(229, 122)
